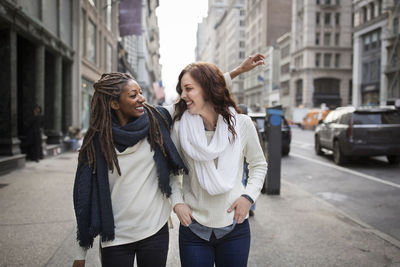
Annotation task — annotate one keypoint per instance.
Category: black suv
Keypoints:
(365, 131)
(260, 119)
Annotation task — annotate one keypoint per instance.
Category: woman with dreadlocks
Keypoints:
(122, 181)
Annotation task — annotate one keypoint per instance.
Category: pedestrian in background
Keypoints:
(212, 204)
(122, 186)
(33, 141)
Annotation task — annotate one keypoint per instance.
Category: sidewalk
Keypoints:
(293, 229)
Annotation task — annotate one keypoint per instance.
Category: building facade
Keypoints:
(39, 66)
(266, 21)
(230, 44)
(143, 53)
(283, 43)
(206, 43)
(321, 51)
(369, 57)
(98, 48)
(392, 69)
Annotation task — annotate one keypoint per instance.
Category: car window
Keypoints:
(345, 119)
(377, 118)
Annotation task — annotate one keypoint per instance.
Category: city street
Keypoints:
(365, 189)
(324, 216)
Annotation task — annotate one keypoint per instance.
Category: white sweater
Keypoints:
(140, 210)
(211, 210)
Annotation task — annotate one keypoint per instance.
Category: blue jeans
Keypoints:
(150, 252)
(231, 250)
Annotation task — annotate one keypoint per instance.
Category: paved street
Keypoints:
(297, 228)
(367, 189)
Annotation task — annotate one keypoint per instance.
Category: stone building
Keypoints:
(98, 49)
(266, 21)
(321, 49)
(370, 53)
(230, 44)
(283, 43)
(392, 69)
(39, 66)
(143, 52)
(206, 33)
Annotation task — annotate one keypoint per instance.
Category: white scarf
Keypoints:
(194, 142)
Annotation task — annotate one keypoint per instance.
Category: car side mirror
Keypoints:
(320, 121)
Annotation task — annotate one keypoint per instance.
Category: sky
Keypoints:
(177, 21)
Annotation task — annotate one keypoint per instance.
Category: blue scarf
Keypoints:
(92, 197)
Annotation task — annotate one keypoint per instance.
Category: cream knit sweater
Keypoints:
(211, 210)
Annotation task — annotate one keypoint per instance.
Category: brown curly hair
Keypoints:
(212, 81)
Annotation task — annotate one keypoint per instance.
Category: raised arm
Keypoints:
(248, 64)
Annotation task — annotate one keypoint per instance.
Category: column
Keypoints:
(39, 73)
(357, 71)
(9, 142)
(383, 91)
(54, 134)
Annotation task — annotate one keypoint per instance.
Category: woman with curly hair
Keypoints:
(213, 138)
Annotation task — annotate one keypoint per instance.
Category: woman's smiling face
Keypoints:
(192, 94)
(130, 103)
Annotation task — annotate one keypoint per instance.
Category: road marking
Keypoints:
(365, 176)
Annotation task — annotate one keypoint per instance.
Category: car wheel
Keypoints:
(393, 159)
(338, 156)
(317, 146)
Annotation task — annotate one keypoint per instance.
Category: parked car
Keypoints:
(312, 118)
(366, 131)
(260, 119)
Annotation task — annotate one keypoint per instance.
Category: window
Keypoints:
(242, 12)
(372, 10)
(317, 38)
(285, 68)
(337, 19)
(366, 42)
(337, 60)
(338, 2)
(365, 72)
(327, 18)
(374, 40)
(241, 54)
(241, 44)
(337, 39)
(317, 1)
(327, 39)
(91, 41)
(317, 18)
(396, 26)
(285, 51)
(379, 7)
(327, 60)
(241, 23)
(373, 70)
(365, 14)
(318, 60)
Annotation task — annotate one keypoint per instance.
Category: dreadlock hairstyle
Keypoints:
(212, 81)
(109, 87)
